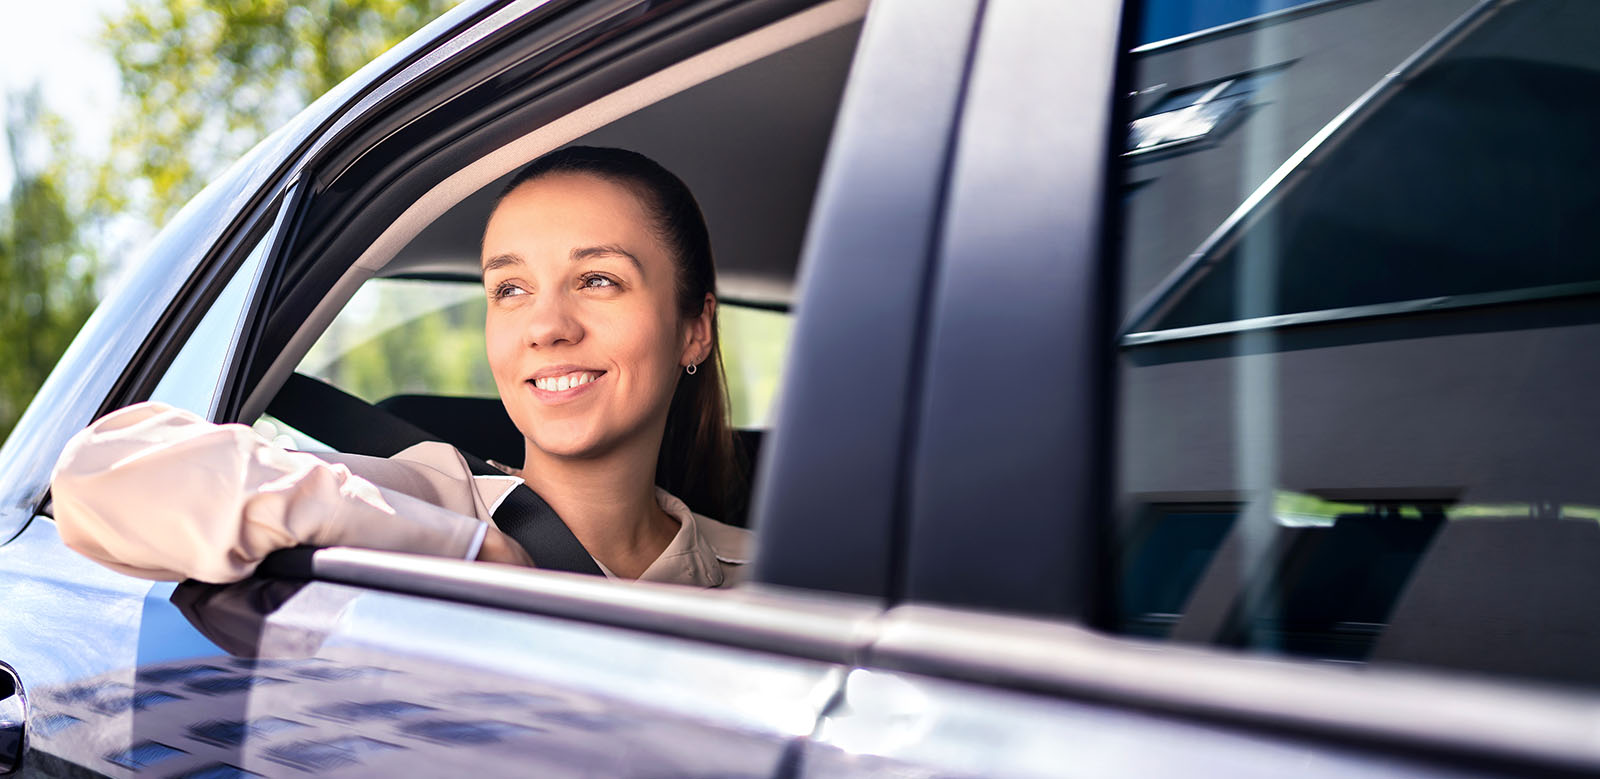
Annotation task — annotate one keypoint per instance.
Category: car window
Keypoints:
(192, 379)
(1359, 303)
(425, 337)
(406, 336)
(753, 341)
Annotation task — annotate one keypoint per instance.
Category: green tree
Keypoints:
(46, 273)
(204, 80)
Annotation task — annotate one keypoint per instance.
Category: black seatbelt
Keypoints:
(350, 424)
(524, 516)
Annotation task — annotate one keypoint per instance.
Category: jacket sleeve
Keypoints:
(157, 492)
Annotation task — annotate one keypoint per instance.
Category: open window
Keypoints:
(381, 294)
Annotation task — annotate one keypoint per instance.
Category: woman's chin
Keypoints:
(575, 445)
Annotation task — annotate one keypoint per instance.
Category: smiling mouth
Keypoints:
(566, 381)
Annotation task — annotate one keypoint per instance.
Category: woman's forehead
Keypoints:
(563, 212)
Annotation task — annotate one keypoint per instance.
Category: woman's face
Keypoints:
(583, 333)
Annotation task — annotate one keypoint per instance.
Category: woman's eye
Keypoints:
(595, 282)
(506, 289)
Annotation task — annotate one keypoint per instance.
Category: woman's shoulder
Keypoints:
(731, 544)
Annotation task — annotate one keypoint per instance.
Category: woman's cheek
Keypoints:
(501, 347)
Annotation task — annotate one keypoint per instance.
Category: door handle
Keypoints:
(13, 719)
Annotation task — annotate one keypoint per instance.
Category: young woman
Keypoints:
(602, 340)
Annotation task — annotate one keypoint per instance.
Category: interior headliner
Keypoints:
(749, 143)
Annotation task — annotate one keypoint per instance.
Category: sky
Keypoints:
(52, 43)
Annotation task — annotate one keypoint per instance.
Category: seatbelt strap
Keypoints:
(350, 424)
(526, 517)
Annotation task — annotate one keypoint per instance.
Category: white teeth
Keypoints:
(564, 383)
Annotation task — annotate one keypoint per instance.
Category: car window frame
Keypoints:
(267, 237)
(289, 290)
(1007, 487)
(829, 498)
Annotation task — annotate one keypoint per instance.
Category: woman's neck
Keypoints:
(608, 502)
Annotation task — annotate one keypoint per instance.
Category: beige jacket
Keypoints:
(157, 492)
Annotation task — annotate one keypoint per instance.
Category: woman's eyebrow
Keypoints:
(588, 252)
(501, 261)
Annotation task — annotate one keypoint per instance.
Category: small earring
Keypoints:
(691, 369)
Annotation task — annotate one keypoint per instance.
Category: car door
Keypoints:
(351, 662)
(1275, 537)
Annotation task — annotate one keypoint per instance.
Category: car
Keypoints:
(1158, 388)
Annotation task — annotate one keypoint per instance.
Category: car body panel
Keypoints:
(892, 723)
(271, 673)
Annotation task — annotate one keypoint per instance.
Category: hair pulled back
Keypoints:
(697, 458)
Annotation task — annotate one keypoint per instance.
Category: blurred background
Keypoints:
(116, 112)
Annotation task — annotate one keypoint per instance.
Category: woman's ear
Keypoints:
(697, 346)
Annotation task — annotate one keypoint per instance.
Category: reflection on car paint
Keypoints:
(535, 697)
(897, 724)
(80, 693)
(218, 771)
(506, 699)
(582, 720)
(333, 673)
(326, 755)
(355, 712)
(51, 724)
(137, 701)
(321, 720)
(144, 755)
(227, 684)
(232, 733)
(183, 672)
(466, 732)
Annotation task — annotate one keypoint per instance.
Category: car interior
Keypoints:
(754, 171)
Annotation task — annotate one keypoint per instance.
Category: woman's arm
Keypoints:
(157, 492)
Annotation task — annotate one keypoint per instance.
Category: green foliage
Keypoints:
(403, 336)
(204, 80)
(46, 274)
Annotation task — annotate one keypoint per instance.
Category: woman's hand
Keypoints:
(500, 548)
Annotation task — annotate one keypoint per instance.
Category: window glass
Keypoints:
(1356, 393)
(406, 337)
(193, 377)
(753, 344)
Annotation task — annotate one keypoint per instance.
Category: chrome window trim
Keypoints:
(1376, 310)
(795, 623)
(1159, 300)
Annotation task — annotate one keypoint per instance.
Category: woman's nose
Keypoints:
(551, 321)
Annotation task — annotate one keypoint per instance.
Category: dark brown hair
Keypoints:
(697, 461)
